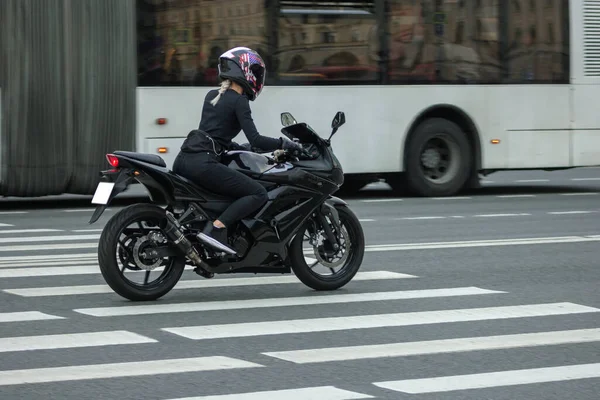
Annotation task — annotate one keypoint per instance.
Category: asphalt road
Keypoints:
(501, 282)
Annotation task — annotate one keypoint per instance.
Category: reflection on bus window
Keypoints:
(329, 42)
(450, 41)
(326, 44)
(179, 41)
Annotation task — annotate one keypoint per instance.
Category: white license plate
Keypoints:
(103, 192)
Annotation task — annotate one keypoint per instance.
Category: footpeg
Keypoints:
(215, 244)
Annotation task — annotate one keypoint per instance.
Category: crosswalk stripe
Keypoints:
(26, 316)
(203, 332)
(115, 370)
(45, 257)
(72, 340)
(59, 271)
(55, 238)
(348, 353)
(42, 247)
(48, 271)
(369, 248)
(311, 393)
(3, 231)
(48, 263)
(493, 379)
(480, 243)
(282, 302)
(198, 284)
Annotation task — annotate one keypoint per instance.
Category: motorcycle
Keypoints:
(167, 232)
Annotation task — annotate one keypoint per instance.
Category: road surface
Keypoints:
(492, 295)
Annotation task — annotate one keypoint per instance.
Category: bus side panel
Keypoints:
(586, 125)
(532, 123)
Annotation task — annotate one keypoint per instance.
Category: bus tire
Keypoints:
(438, 158)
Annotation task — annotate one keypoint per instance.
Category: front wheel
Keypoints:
(311, 248)
(121, 250)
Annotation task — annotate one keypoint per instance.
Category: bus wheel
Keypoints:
(438, 158)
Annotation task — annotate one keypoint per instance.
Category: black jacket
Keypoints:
(222, 122)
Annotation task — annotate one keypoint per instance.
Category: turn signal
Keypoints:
(161, 121)
(162, 149)
(112, 160)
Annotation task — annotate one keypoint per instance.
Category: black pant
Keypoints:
(205, 170)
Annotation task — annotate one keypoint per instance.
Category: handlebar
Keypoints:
(282, 155)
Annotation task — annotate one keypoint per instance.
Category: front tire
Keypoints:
(355, 251)
(109, 253)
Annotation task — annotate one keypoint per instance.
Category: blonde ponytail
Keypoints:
(224, 86)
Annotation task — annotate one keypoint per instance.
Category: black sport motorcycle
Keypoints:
(166, 234)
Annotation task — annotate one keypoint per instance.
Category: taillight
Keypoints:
(112, 160)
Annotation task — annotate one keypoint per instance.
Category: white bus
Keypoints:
(435, 92)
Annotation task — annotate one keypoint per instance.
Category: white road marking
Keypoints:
(13, 212)
(493, 379)
(55, 238)
(585, 179)
(532, 180)
(480, 243)
(59, 271)
(450, 198)
(72, 340)
(579, 194)
(26, 316)
(29, 230)
(204, 332)
(570, 212)
(515, 196)
(49, 263)
(282, 302)
(501, 215)
(311, 393)
(115, 370)
(197, 284)
(44, 257)
(420, 218)
(381, 200)
(348, 353)
(35, 247)
(1, 224)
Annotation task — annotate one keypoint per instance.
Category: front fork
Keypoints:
(331, 212)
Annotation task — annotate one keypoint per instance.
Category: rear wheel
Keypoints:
(438, 158)
(310, 248)
(125, 238)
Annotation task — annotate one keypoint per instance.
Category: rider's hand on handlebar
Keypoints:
(290, 146)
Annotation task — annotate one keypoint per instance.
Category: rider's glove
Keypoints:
(287, 144)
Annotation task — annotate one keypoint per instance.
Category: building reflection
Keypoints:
(455, 41)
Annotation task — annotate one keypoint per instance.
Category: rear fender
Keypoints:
(112, 183)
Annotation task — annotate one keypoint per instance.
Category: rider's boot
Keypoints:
(216, 237)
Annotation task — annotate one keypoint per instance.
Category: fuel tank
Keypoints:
(247, 161)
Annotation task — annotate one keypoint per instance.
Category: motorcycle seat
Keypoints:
(144, 157)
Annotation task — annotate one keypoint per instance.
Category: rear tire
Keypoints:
(107, 257)
(438, 158)
(307, 276)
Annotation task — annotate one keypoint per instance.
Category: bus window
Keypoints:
(326, 43)
(179, 42)
(537, 41)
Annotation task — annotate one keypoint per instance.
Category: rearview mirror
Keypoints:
(287, 119)
(338, 120)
